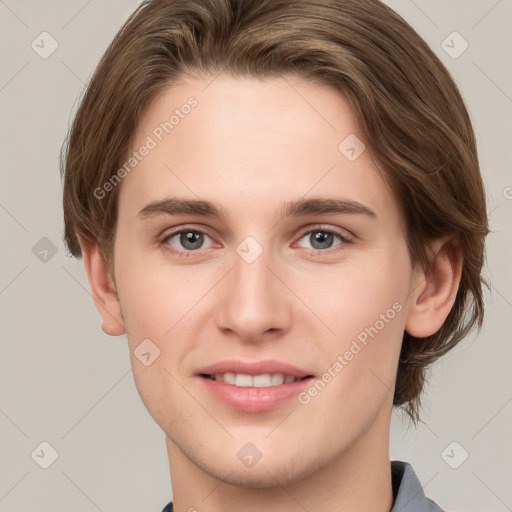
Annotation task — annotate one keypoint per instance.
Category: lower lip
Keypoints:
(252, 399)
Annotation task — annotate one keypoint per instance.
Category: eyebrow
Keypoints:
(318, 206)
(301, 207)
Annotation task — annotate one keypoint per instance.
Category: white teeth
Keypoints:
(262, 381)
(277, 379)
(258, 381)
(243, 380)
(229, 377)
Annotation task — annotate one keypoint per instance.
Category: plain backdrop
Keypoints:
(65, 383)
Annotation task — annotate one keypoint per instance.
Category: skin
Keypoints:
(249, 146)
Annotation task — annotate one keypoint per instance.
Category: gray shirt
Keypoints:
(407, 491)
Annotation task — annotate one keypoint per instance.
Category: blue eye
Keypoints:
(185, 241)
(188, 240)
(321, 239)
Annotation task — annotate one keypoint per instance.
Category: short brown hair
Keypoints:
(411, 114)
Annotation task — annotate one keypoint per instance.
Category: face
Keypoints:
(261, 256)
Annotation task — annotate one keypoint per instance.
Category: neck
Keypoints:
(357, 480)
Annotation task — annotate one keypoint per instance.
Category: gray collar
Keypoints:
(408, 492)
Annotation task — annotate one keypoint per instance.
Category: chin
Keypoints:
(262, 478)
(274, 472)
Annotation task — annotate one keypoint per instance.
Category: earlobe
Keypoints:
(435, 289)
(102, 288)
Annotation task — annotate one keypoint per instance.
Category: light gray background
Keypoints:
(64, 382)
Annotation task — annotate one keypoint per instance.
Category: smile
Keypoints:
(263, 380)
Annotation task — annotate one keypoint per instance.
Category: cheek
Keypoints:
(363, 304)
(157, 300)
(369, 289)
(157, 296)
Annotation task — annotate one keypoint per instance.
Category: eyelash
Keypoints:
(344, 240)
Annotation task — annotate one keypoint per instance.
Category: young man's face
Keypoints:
(268, 287)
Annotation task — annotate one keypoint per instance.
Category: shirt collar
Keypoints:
(408, 492)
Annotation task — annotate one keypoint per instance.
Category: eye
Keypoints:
(322, 239)
(186, 240)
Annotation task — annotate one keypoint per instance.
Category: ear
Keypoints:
(435, 289)
(102, 288)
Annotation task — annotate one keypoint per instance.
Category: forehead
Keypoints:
(233, 108)
(226, 138)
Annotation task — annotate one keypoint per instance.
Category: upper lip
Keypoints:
(253, 368)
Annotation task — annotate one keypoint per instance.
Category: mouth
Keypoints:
(253, 386)
(244, 380)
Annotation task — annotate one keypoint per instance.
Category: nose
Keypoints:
(253, 303)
